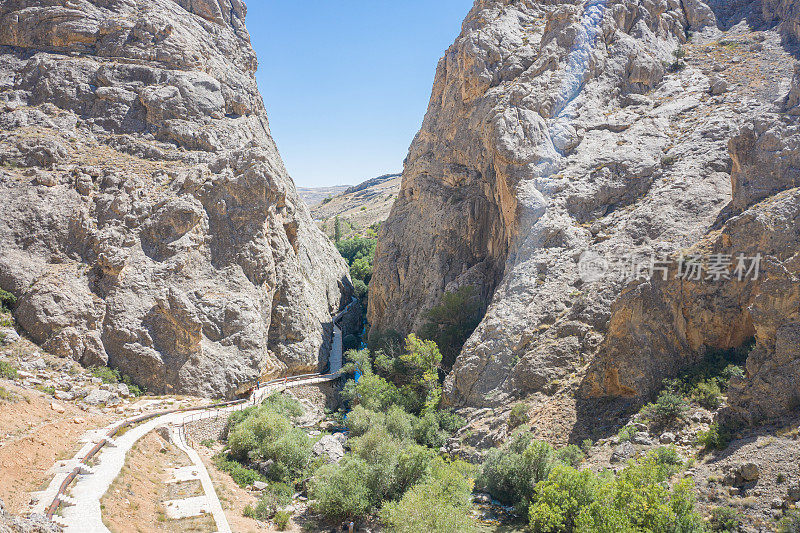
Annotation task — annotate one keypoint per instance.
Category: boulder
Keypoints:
(623, 452)
(330, 447)
(102, 397)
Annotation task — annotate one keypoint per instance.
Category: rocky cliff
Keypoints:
(567, 147)
(148, 221)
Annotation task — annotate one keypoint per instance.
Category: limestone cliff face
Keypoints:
(565, 130)
(148, 221)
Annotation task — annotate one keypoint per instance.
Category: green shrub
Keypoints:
(667, 456)
(450, 323)
(282, 520)
(5, 394)
(724, 519)
(510, 473)
(7, 371)
(586, 446)
(625, 433)
(518, 416)
(243, 476)
(450, 422)
(439, 504)
(640, 499)
(339, 491)
(414, 372)
(266, 435)
(716, 438)
(570, 455)
(668, 407)
(7, 301)
(275, 496)
(208, 443)
(359, 420)
(707, 394)
(398, 423)
(427, 431)
(108, 375)
(561, 498)
(790, 523)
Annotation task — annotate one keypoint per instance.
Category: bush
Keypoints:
(640, 499)
(398, 423)
(570, 455)
(360, 420)
(282, 520)
(624, 434)
(339, 490)
(415, 373)
(510, 473)
(668, 407)
(667, 456)
(450, 323)
(275, 496)
(266, 435)
(439, 504)
(586, 446)
(241, 475)
(790, 523)
(7, 371)
(561, 498)
(7, 301)
(112, 376)
(450, 422)
(707, 394)
(716, 438)
(427, 431)
(518, 416)
(724, 519)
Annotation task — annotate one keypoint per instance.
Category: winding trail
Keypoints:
(91, 472)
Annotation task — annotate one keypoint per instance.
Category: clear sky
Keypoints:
(346, 83)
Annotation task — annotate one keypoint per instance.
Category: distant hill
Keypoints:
(359, 206)
(313, 196)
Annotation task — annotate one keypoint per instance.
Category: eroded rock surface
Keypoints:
(148, 221)
(561, 129)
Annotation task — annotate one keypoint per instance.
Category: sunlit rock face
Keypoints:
(148, 221)
(562, 130)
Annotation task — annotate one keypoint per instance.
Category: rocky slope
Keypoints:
(148, 221)
(566, 142)
(313, 196)
(360, 206)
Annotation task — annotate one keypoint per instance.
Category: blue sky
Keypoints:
(346, 83)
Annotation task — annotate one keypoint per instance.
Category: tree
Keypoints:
(337, 230)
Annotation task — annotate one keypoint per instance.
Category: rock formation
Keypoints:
(148, 221)
(566, 146)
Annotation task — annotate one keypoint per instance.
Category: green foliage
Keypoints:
(561, 498)
(265, 434)
(282, 520)
(450, 422)
(716, 438)
(7, 301)
(277, 495)
(724, 519)
(208, 443)
(414, 372)
(667, 456)
(240, 474)
(510, 473)
(337, 230)
(586, 446)
(624, 434)
(570, 455)
(518, 416)
(372, 392)
(7, 371)
(428, 432)
(450, 323)
(638, 499)
(359, 420)
(668, 407)
(339, 490)
(438, 504)
(359, 252)
(49, 390)
(707, 394)
(112, 376)
(327, 200)
(790, 523)
(398, 423)
(5, 394)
